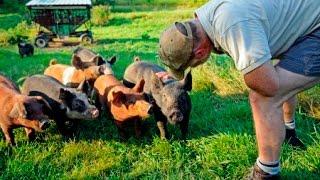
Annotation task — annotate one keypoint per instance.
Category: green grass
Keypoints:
(221, 141)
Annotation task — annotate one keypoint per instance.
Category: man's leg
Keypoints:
(289, 107)
(268, 112)
(291, 138)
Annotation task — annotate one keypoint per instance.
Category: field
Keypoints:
(221, 142)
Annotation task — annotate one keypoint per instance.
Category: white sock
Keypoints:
(272, 168)
(290, 125)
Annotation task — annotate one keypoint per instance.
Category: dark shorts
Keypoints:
(304, 56)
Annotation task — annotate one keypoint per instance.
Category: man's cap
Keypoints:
(176, 48)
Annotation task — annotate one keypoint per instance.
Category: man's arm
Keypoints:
(264, 80)
(247, 44)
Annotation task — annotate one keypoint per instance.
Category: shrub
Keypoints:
(12, 35)
(100, 15)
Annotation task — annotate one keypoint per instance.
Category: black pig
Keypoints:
(171, 99)
(25, 49)
(68, 104)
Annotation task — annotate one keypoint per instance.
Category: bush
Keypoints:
(100, 15)
(12, 35)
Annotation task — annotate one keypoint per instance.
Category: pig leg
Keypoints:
(8, 133)
(184, 126)
(137, 128)
(30, 134)
(29, 123)
(121, 130)
(161, 123)
(65, 126)
(3, 136)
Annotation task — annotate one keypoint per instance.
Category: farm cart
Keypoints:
(60, 18)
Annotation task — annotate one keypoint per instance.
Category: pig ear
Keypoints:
(139, 86)
(98, 60)
(84, 87)
(76, 62)
(65, 94)
(156, 83)
(46, 105)
(18, 111)
(187, 82)
(112, 60)
(118, 97)
(101, 69)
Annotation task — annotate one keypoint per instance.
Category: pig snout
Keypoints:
(175, 117)
(94, 112)
(44, 124)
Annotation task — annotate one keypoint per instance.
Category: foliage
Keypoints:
(100, 15)
(13, 35)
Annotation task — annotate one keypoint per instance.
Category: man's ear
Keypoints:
(199, 53)
(156, 83)
(76, 62)
(118, 97)
(18, 111)
(139, 86)
(112, 60)
(186, 82)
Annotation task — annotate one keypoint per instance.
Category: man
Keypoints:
(253, 32)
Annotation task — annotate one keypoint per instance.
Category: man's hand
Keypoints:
(264, 80)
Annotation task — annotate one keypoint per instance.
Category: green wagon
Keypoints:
(60, 19)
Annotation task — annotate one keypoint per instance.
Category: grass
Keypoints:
(221, 142)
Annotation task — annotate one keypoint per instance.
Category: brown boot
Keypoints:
(259, 174)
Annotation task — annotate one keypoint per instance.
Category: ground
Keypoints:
(221, 141)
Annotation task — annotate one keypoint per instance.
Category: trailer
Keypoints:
(60, 19)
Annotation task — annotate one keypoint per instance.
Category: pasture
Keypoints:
(220, 143)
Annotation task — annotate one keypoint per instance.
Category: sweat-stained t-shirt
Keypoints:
(255, 31)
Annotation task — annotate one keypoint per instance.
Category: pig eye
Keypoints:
(78, 105)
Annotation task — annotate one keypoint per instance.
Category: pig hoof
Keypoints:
(163, 138)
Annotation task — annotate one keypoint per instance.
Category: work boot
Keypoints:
(293, 140)
(259, 174)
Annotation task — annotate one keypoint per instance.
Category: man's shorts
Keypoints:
(304, 56)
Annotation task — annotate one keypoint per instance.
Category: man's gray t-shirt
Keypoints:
(255, 31)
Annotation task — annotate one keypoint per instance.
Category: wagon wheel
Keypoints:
(41, 42)
(86, 39)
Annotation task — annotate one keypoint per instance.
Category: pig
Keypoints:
(25, 49)
(73, 76)
(83, 58)
(126, 105)
(68, 104)
(169, 96)
(19, 110)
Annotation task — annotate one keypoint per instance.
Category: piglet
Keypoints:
(25, 49)
(74, 76)
(17, 110)
(171, 99)
(126, 105)
(68, 104)
(88, 58)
